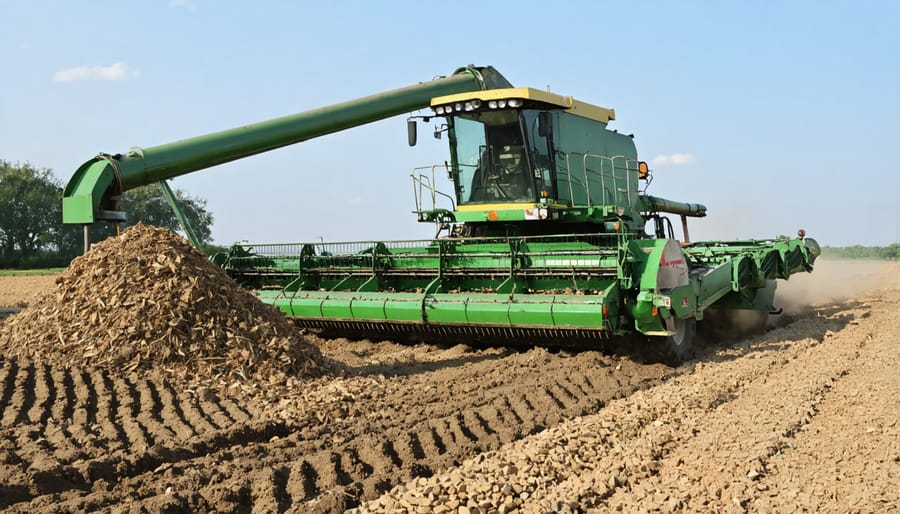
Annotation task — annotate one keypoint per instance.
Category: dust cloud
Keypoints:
(833, 281)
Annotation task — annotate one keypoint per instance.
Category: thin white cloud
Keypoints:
(184, 4)
(673, 159)
(356, 200)
(115, 71)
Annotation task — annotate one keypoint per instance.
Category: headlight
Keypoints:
(439, 109)
(492, 104)
(458, 107)
(515, 102)
(501, 103)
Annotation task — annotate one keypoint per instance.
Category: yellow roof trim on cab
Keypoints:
(576, 107)
(506, 206)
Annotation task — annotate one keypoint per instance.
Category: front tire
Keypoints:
(679, 347)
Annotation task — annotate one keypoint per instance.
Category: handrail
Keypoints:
(422, 181)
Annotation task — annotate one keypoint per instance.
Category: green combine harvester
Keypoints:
(548, 237)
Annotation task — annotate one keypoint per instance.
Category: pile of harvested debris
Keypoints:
(149, 300)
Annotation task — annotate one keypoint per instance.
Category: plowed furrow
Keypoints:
(379, 458)
(237, 413)
(280, 490)
(45, 398)
(84, 398)
(267, 490)
(482, 423)
(150, 413)
(390, 452)
(455, 435)
(462, 426)
(22, 397)
(128, 408)
(571, 390)
(416, 446)
(64, 399)
(108, 413)
(448, 435)
(171, 412)
(507, 410)
(497, 423)
(70, 412)
(404, 449)
(260, 435)
(8, 373)
(431, 446)
(214, 413)
(192, 410)
(302, 482)
(525, 412)
(548, 393)
(437, 440)
(336, 472)
(421, 422)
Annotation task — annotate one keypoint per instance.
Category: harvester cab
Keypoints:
(531, 162)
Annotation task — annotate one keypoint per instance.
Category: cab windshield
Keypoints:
(495, 160)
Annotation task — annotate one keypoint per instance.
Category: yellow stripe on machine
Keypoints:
(496, 206)
(576, 107)
(505, 206)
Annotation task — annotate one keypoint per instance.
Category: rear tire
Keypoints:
(675, 349)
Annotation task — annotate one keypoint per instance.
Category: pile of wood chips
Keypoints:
(148, 300)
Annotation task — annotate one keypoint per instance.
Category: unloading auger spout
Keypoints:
(94, 191)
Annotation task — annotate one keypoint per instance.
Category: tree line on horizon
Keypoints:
(32, 234)
(890, 252)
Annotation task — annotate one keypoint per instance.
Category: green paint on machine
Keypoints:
(549, 237)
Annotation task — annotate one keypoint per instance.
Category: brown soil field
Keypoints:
(19, 291)
(803, 418)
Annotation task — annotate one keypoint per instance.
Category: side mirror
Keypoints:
(545, 124)
(643, 170)
(411, 131)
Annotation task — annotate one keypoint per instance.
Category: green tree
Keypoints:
(31, 229)
(30, 209)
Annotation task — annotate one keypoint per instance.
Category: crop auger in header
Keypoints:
(549, 235)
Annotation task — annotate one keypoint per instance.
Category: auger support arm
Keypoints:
(657, 204)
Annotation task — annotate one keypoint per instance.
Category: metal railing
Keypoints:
(626, 164)
(425, 185)
(563, 251)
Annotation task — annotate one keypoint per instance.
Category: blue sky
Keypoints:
(775, 115)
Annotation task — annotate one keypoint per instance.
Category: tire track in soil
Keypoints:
(21, 397)
(112, 434)
(418, 421)
(126, 416)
